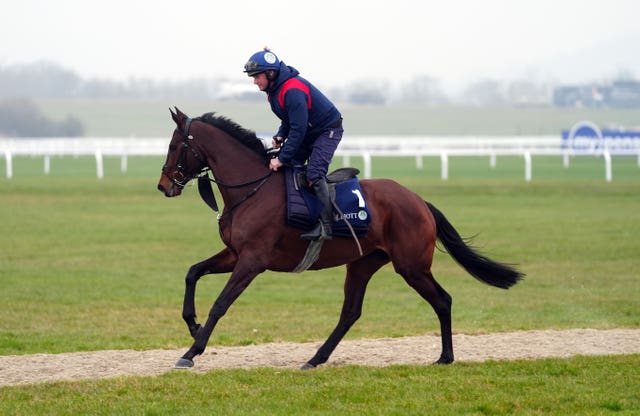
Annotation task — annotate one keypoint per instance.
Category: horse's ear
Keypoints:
(174, 116)
(178, 116)
(181, 114)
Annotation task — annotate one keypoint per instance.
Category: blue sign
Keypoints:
(586, 136)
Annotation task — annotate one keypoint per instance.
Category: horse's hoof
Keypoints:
(308, 366)
(184, 363)
(443, 361)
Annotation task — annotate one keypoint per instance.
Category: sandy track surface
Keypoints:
(415, 350)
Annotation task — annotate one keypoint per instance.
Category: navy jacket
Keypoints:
(304, 113)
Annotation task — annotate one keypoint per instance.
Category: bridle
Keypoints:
(180, 179)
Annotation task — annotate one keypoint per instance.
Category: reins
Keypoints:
(229, 186)
(207, 195)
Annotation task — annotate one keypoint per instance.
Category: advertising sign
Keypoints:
(586, 136)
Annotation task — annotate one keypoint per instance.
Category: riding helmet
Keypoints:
(262, 61)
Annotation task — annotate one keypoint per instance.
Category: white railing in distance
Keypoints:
(365, 147)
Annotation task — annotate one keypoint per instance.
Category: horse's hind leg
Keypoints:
(440, 301)
(358, 275)
(223, 262)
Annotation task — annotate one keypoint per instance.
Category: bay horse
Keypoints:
(252, 225)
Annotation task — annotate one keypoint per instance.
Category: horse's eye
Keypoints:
(172, 147)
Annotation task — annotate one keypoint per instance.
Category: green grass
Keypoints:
(89, 264)
(576, 386)
(507, 167)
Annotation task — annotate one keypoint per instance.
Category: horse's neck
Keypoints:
(238, 166)
(234, 164)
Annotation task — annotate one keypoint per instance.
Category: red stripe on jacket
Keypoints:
(297, 84)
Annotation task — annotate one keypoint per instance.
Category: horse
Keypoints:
(403, 230)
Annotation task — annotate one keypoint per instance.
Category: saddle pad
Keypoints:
(303, 207)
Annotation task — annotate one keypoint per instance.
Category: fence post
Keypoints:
(123, 163)
(444, 166)
(607, 165)
(47, 164)
(9, 159)
(492, 160)
(99, 165)
(527, 166)
(419, 162)
(366, 157)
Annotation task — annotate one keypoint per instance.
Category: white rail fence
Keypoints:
(366, 147)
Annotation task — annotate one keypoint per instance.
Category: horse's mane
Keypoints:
(245, 136)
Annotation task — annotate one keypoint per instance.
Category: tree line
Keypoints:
(21, 117)
(24, 82)
(45, 79)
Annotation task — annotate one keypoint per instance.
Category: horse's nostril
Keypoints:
(161, 188)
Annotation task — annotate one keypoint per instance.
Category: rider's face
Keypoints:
(261, 81)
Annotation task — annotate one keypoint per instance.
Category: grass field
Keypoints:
(576, 386)
(75, 248)
(88, 264)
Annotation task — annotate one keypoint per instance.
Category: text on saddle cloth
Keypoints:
(303, 207)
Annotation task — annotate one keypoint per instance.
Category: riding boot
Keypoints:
(322, 230)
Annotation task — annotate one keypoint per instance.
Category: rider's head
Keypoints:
(263, 61)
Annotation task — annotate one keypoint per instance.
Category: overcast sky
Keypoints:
(332, 42)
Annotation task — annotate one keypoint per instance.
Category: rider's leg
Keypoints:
(321, 155)
(322, 230)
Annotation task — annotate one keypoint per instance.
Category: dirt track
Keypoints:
(418, 350)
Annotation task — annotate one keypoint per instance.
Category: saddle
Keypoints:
(303, 207)
(337, 176)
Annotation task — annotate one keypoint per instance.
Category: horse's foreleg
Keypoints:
(223, 262)
(238, 282)
(358, 275)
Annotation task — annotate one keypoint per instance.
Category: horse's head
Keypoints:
(183, 161)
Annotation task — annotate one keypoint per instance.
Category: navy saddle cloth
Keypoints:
(303, 207)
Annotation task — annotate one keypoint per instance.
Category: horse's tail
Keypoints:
(486, 270)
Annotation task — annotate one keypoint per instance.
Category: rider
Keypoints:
(310, 124)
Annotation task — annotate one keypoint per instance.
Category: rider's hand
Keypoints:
(274, 164)
(277, 142)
